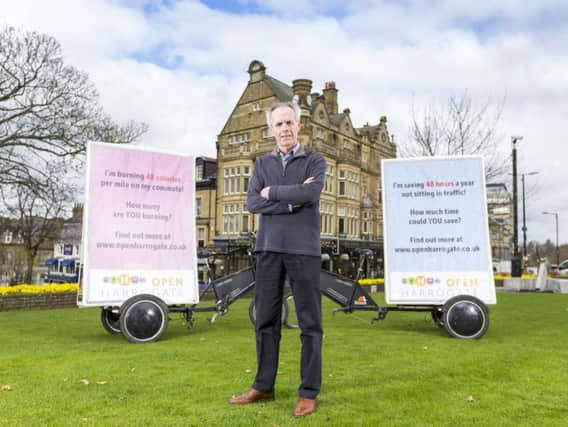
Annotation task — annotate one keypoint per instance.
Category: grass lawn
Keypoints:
(403, 371)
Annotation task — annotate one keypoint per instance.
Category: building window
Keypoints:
(199, 172)
(348, 184)
(341, 226)
(236, 179)
(326, 218)
(198, 207)
(328, 182)
(265, 133)
(235, 218)
(200, 237)
(367, 224)
(239, 138)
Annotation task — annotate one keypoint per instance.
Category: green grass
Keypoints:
(403, 371)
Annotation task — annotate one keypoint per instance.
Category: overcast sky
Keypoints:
(180, 66)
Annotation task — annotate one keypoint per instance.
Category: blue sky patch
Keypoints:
(160, 55)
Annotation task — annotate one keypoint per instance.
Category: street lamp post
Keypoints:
(557, 247)
(516, 269)
(524, 212)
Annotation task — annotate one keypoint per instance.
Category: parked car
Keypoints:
(563, 268)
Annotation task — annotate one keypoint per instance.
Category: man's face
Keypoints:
(284, 128)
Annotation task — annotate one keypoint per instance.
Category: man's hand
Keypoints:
(265, 190)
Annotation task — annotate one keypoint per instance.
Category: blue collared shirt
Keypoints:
(285, 159)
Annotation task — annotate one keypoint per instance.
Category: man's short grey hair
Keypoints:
(290, 104)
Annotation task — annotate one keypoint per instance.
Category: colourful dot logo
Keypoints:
(123, 280)
(420, 281)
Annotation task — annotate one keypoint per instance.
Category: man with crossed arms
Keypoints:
(285, 189)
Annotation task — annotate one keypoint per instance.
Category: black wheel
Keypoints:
(465, 317)
(110, 319)
(252, 313)
(438, 317)
(143, 318)
(292, 318)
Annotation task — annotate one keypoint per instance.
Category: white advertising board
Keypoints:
(436, 236)
(138, 226)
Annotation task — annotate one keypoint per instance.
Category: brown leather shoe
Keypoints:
(251, 396)
(305, 407)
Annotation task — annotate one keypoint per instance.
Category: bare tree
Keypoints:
(47, 109)
(38, 208)
(48, 113)
(459, 128)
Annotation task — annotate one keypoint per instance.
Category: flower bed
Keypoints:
(29, 297)
(38, 289)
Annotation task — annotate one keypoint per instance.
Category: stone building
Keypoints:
(14, 253)
(351, 211)
(206, 190)
(65, 265)
(500, 218)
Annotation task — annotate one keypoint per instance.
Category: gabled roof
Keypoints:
(315, 104)
(208, 159)
(336, 118)
(282, 91)
(370, 131)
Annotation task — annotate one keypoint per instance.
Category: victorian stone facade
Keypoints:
(351, 211)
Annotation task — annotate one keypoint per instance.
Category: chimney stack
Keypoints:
(302, 89)
(330, 95)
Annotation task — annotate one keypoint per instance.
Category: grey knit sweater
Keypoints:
(296, 232)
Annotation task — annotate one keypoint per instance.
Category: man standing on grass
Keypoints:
(285, 189)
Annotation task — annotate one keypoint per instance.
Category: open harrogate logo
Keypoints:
(126, 280)
(450, 282)
(420, 281)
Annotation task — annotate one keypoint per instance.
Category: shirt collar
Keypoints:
(292, 152)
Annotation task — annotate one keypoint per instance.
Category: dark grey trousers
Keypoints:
(304, 274)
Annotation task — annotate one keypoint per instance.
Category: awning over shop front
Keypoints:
(50, 261)
(68, 262)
